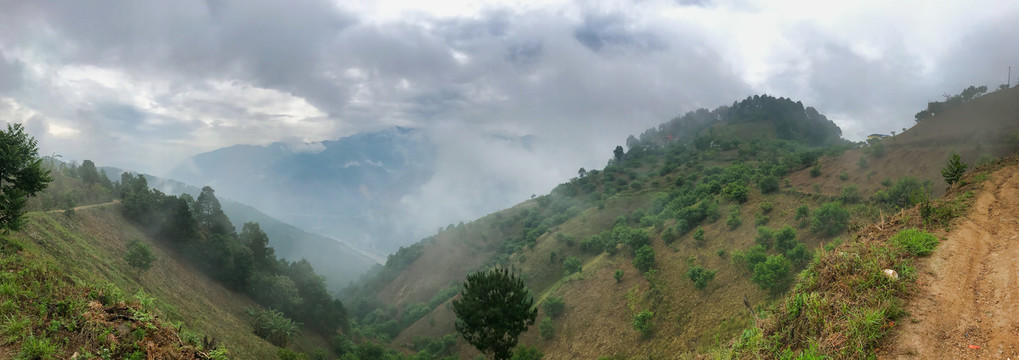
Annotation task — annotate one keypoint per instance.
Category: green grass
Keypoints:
(916, 242)
(842, 305)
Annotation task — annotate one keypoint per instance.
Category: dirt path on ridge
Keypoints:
(967, 305)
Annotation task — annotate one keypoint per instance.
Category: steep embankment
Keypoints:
(967, 303)
(89, 245)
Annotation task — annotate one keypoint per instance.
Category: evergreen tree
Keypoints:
(953, 171)
(21, 174)
(493, 309)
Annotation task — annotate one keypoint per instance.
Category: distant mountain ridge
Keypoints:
(342, 188)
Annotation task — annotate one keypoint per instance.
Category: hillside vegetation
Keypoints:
(684, 236)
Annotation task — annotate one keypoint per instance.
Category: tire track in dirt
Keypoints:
(967, 304)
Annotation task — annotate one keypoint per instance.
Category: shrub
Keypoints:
(644, 260)
(139, 255)
(618, 275)
(546, 329)
(700, 276)
(736, 191)
(761, 219)
(669, 236)
(642, 322)
(772, 274)
(843, 176)
(274, 327)
(765, 236)
(767, 206)
(862, 163)
(953, 171)
(525, 352)
(751, 257)
(815, 171)
(554, 306)
(915, 242)
(768, 184)
(802, 212)
(572, 265)
(698, 235)
(850, 195)
(785, 238)
(733, 221)
(830, 219)
(903, 193)
(799, 255)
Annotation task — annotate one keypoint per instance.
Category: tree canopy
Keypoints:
(493, 309)
(21, 174)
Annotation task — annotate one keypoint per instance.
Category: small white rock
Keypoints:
(891, 274)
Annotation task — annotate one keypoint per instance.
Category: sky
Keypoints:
(145, 85)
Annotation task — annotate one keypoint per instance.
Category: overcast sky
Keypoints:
(146, 84)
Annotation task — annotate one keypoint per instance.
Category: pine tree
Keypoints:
(493, 309)
(953, 171)
(21, 174)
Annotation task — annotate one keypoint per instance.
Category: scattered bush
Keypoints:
(765, 236)
(546, 329)
(139, 255)
(733, 221)
(698, 235)
(524, 352)
(645, 258)
(772, 274)
(766, 207)
(830, 219)
(642, 322)
(572, 265)
(802, 212)
(554, 306)
(862, 163)
(850, 195)
(915, 242)
(273, 326)
(700, 276)
(736, 191)
(768, 184)
(761, 219)
(843, 176)
(618, 275)
(785, 239)
(815, 171)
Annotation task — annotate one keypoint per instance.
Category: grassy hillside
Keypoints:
(697, 188)
(88, 247)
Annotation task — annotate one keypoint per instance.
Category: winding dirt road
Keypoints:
(967, 306)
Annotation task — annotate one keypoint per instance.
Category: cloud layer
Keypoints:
(145, 85)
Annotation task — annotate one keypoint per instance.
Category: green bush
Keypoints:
(765, 237)
(802, 212)
(830, 219)
(645, 258)
(768, 184)
(915, 242)
(751, 257)
(843, 176)
(618, 275)
(546, 329)
(862, 163)
(572, 265)
(554, 306)
(524, 352)
(733, 221)
(642, 322)
(139, 255)
(37, 348)
(815, 171)
(903, 193)
(698, 235)
(274, 327)
(785, 239)
(772, 274)
(700, 276)
(766, 207)
(850, 195)
(736, 191)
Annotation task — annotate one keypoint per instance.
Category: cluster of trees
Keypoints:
(199, 231)
(936, 107)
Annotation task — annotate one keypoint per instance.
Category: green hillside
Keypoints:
(702, 215)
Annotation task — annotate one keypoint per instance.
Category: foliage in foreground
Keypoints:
(842, 305)
(493, 309)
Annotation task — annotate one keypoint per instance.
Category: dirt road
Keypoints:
(968, 301)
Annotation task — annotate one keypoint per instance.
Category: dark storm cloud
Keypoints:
(598, 31)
